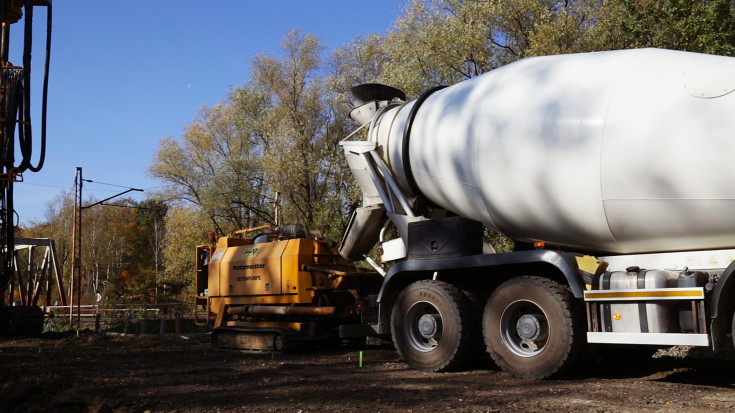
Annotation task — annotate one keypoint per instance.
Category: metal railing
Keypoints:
(131, 318)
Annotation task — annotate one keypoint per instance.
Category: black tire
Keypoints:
(431, 326)
(533, 328)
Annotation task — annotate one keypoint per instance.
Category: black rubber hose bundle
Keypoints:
(25, 136)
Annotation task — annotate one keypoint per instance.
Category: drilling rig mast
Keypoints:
(15, 108)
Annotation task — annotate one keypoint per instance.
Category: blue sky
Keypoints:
(125, 74)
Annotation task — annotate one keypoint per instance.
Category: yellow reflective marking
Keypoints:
(642, 294)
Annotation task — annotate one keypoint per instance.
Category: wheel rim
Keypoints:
(524, 328)
(423, 326)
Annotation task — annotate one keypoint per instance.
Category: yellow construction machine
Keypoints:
(271, 291)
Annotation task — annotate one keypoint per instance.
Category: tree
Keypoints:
(217, 167)
(186, 227)
(705, 26)
(119, 255)
(151, 218)
(277, 133)
(437, 42)
(422, 55)
(296, 162)
(363, 60)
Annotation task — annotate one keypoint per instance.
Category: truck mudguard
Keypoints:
(722, 301)
(564, 262)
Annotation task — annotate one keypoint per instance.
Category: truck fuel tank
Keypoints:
(639, 317)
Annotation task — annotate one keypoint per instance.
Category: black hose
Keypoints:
(44, 98)
(25, 136)
(13, 98)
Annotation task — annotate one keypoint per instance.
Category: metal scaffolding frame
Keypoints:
(37, 271)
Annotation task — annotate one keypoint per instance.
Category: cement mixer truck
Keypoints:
(611, 171)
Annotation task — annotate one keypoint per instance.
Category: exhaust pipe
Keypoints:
(283, 310)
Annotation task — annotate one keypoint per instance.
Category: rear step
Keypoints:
(254, 339)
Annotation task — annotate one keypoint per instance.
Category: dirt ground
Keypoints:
(106, 373)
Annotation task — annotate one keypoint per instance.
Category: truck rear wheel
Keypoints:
(431, 326)
(533, 327)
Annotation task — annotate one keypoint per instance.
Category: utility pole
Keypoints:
(76, 261)
(76, 248)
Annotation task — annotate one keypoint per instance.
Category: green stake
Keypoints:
(77, 333)
(361, 359)
(39, 349)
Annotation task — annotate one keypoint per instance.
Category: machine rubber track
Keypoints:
(255, 339)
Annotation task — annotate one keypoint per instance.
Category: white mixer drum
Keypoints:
(623, 152)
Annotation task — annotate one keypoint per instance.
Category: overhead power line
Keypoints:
(105, 183)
